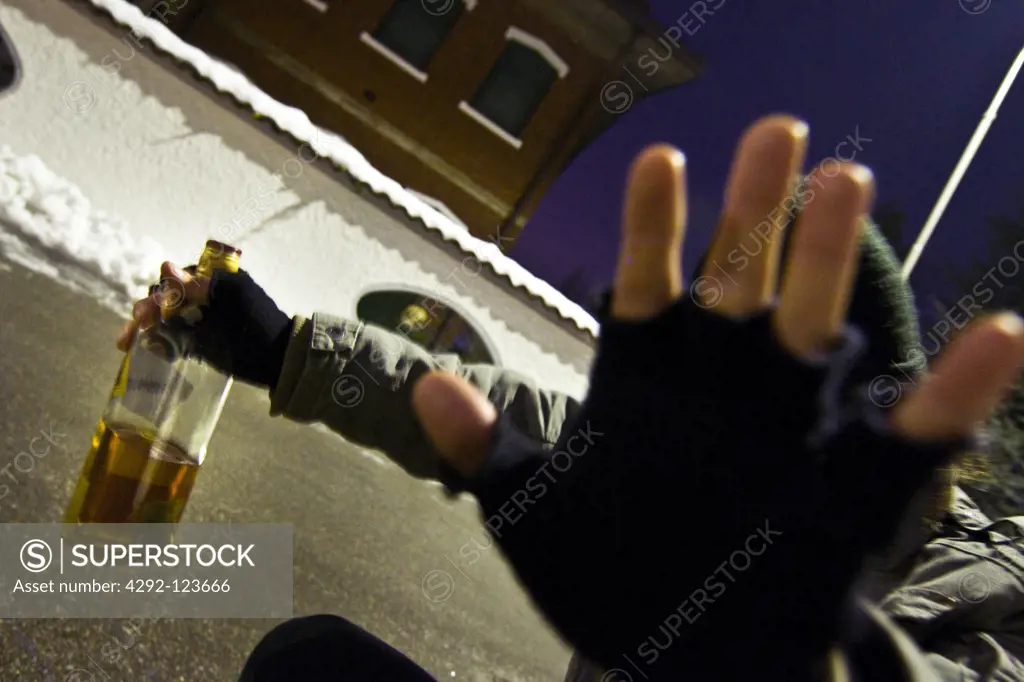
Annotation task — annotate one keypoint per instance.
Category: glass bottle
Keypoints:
(152, 438)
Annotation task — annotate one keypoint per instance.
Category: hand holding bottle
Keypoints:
(163, 409)
(241, 330)
(178, 289)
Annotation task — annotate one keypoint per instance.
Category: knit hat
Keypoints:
(882, 306)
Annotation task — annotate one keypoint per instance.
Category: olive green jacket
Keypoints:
(357, 380)
(954, 611)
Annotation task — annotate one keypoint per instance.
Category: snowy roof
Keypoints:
(295, 123)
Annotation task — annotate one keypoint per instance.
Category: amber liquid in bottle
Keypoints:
(133, 477)
(131, 474)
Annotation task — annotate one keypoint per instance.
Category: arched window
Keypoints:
(412, 31)
(516, 85)
(10, 67)
(427, 321)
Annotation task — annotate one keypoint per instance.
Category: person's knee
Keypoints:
(328, 648)
(321, 632)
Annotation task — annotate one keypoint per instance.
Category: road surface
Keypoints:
(366, 536)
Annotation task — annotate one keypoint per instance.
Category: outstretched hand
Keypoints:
(713, 417)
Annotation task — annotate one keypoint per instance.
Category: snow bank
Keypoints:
(328, 145)
(49, 226)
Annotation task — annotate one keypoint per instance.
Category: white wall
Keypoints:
(150, 145)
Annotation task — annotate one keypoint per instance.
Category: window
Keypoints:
(426, 321)
(412, 31)
(516, 85)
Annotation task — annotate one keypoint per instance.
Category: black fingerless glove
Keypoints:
(709, 510)
(242, 331)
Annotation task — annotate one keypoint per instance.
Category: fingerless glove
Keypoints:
(708, 512)
(241, 332)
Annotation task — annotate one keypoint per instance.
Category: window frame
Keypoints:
(541, 49)
(366, 37)
(424, 294)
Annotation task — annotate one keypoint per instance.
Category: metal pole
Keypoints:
(961, 167)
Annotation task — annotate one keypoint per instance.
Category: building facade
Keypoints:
(152, 137)
(479, 104)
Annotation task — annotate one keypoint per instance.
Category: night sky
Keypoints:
(913, 76)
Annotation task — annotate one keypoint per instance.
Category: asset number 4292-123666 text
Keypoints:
(177, 585)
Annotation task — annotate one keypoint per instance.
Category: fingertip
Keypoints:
(778, 136)
(169, 270)
(969, 379)
(661, 159)
(796, 126)
(863, 176)
(852, 184)
(1003, 336)
(655, 176)
(1009, 324)
(456, 417)
(774, 125)
(756, 177)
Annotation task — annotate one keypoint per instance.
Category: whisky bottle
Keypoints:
(152, 438)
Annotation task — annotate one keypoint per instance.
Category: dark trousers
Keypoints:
(327, 649)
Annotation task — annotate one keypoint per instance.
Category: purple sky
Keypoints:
(913, 76)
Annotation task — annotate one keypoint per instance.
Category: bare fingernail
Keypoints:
(676, 157)
(861, 173)
(1010, 323)
(799, 129)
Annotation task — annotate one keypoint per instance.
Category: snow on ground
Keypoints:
(49, 226)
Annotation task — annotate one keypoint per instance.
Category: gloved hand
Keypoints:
(708, 512)
(706, 519)
(239, 328)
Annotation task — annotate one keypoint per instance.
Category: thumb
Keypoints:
(456, 417)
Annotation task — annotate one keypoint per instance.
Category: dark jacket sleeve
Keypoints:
(357, 380)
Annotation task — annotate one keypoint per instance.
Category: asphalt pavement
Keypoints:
(371, 544)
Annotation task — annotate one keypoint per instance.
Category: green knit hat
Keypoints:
(882, 305)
